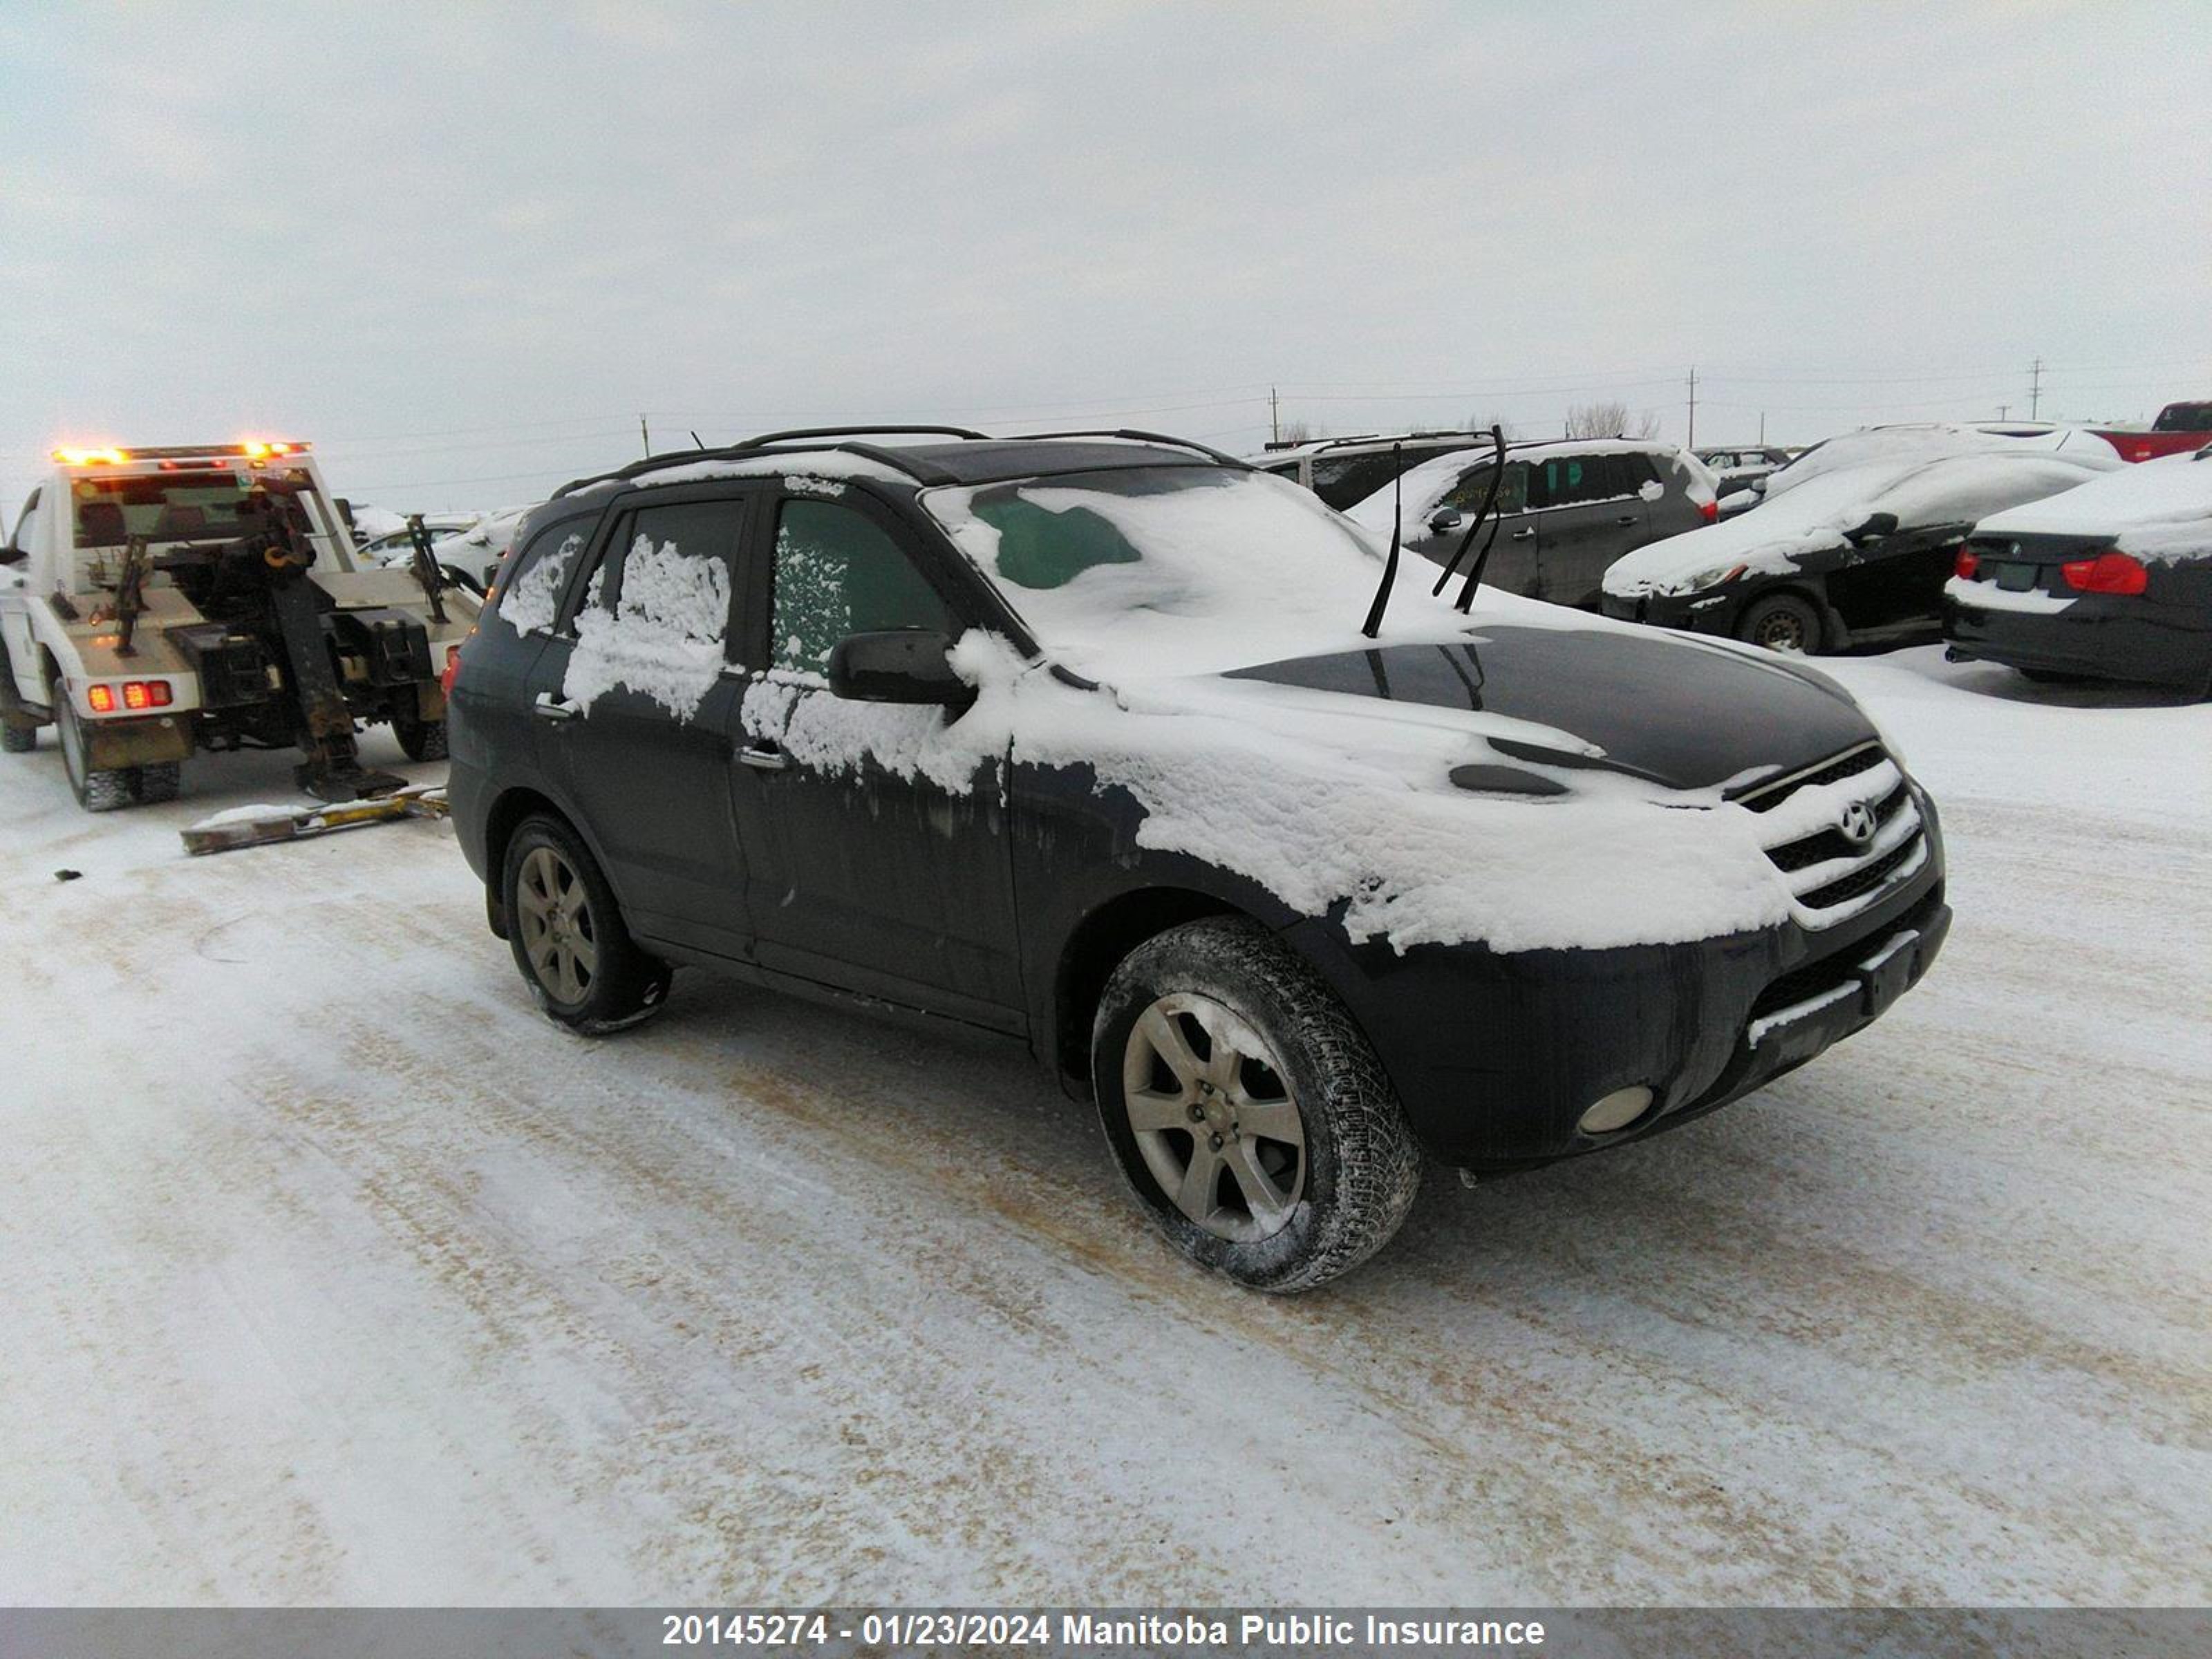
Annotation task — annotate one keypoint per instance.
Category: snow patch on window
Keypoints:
(802, 483)
(665, 638)
(530, 604)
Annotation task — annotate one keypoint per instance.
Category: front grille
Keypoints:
(1826, 869)
(1801, 986)
(1864, 880)
(1830, 843)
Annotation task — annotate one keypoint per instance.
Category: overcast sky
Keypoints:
(462, 247)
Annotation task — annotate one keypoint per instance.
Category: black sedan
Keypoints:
(2110, 581)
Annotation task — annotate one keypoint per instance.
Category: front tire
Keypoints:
(1247, 1110)
(107, 790)
(17, 739)
(568, 937)
(1782, 622)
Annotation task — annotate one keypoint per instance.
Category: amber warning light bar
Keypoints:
(253, 449)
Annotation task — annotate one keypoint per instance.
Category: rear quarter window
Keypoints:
(530, 595)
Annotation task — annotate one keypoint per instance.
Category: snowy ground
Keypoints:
(332, 1272)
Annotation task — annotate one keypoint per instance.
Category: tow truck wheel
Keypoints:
(17, 739)
(101, 791)
(568, 936)
(154, 784)
(421, 741)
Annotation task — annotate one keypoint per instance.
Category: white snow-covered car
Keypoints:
(1853, 540)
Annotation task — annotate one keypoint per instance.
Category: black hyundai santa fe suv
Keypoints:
(1079, 738)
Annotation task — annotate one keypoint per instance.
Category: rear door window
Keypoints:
(1568, 480)
(665, 581)
(837, 572)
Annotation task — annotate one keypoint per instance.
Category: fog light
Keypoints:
(1616, 1111)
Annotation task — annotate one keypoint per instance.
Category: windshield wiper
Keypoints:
(1489, 501)
(1373, 625)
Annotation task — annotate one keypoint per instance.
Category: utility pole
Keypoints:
(1274, 417)
(645, 435)
(2004, 411)
(1762, 428)
(2034, 387)
(1693, 441)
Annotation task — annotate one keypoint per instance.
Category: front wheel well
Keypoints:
(1096, 946)
(506, 816)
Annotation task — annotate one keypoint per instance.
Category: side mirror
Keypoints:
(12, 556)
(1878, 524)
(904, 664)
(1449, 518)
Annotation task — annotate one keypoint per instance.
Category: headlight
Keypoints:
(1715, 577)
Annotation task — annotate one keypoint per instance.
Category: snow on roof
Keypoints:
(1921, 487)
(1930, 440)
(2160, 506)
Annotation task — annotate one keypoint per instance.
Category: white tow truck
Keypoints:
(158, 602)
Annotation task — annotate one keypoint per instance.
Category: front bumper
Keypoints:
(1496, 1057)
(1715, 611)
(2097, 637)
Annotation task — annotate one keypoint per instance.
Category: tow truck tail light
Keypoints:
(2108, 573)
(1969, 563)
(135, 695)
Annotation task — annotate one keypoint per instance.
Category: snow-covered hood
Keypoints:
(1920, 492)
(1641, 705)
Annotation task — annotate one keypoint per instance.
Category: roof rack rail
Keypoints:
(1134, 436)
(768, 442)
(920, 472)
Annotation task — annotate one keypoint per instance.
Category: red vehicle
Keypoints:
(2179, 427)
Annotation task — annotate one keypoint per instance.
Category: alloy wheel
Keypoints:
(1213, 1117)
(558, 933)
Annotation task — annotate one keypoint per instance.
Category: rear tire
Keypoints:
(421, 741)
(568, 937)
(1782, 622)
(17, 739)
(102, 791)
(153, 784)
(1246, 1108)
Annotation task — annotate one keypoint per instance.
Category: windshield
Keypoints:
(1178, 569)
(179, 507)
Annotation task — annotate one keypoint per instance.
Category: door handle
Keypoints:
(1625, 518)
(1528, 535)
(550, 708)
(764, 757)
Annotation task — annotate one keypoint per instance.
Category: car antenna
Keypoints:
(1374, 623)
(1489, 501)
(695, 443)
